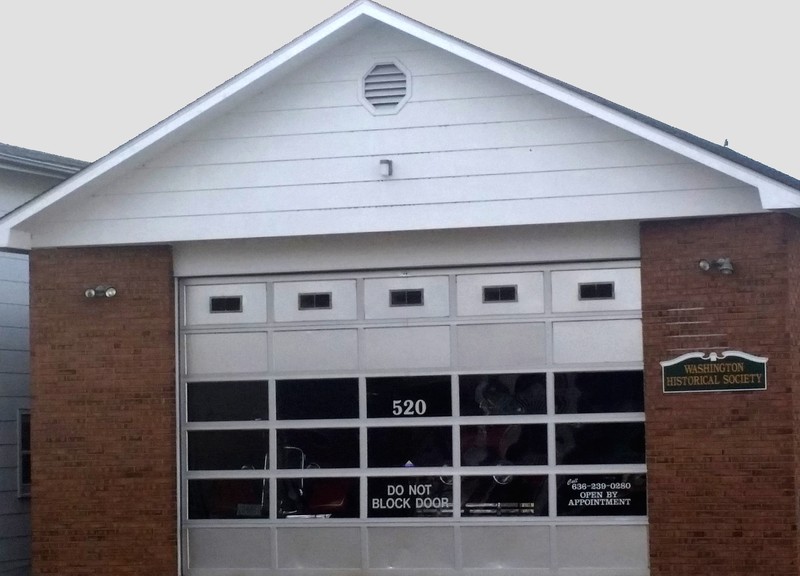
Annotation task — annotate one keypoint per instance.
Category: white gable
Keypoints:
(293, 151)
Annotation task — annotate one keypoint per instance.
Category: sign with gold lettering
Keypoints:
(726, 372)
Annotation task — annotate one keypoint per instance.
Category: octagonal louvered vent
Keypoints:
(385, 88)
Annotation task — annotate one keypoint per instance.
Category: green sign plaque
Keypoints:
(729, 371)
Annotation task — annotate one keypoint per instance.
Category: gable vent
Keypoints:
(385, 88)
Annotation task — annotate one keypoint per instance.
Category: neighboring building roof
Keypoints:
(777, 191)
(26, 160)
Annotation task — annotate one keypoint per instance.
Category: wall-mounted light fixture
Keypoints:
(724, 265)
(100, 291)
(386, 168)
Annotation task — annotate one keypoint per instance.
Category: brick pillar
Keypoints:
(103, 413)
(722, 466)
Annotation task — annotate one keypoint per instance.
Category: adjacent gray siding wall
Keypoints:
(16, 187)
(14, 511)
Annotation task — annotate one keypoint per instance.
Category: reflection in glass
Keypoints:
(409, 447)
(504, 495)
(228, 498)
(606, 443)
(413, 396)
(594, 392)
(228, 450)
(502, 394)
(601, 495)
(504, 444)
(318, 497)
(410, 497)
(226, 401)
(318, 448)
(323, 398)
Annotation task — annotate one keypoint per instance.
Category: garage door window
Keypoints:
(503, 447)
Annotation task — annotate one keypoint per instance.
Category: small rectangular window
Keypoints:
(24, 453)
(596, 291)
(314, 301)
(223, 304)
(413, 297)
(500, 293)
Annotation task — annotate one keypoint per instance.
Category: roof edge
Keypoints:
(36, 162)
(777, 190)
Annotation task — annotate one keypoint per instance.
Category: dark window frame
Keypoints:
(596, 287)
(406, 292)
(314, 304)
(225, 300)
(23, 453)
(500, 299)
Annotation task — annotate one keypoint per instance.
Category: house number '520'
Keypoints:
(408, 407)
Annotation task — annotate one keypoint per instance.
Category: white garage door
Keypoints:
(471, 421)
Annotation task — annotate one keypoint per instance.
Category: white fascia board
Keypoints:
(14, 240)
(774, 195)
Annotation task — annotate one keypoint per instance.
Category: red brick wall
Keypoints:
(103, 413)
(722, 467)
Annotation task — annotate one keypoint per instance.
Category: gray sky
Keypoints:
(80, 78)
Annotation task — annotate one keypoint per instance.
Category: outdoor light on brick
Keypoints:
(724, 265)
(100, 291)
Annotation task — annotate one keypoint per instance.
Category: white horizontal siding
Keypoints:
(414, 115)
(604, 208)
(500, 162)
(469, 149)
(437, 88)
(412, 191)
(420, 59)
(387, 143)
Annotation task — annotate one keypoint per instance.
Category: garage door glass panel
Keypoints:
(606, 443)
(602, 494)
(317, 399)
(593, 392)
(419, 396)
(210, 499)
(504, 444)
(410, 497)
(228, 450)
(226, 401)
(502, 394)
(504, 495)
(318, 497)
(409, 447)
(318, 448)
